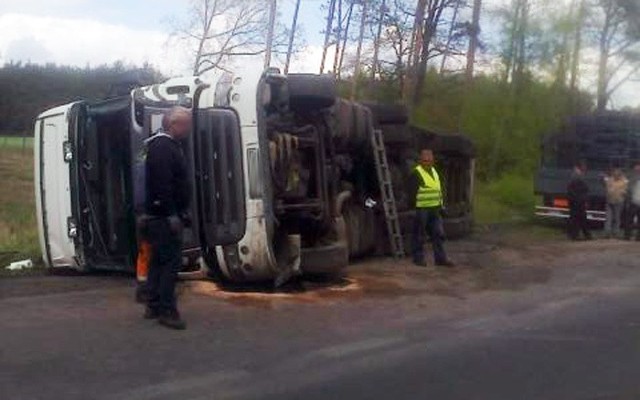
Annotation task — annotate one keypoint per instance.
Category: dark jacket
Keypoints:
(577, 189)
(168, 189)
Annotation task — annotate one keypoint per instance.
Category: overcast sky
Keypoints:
(93, 32)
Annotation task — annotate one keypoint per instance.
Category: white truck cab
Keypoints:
(85, 156)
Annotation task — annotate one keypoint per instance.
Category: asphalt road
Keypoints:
(560, 325)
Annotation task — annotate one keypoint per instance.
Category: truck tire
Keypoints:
(397, 134)
(454, 144)
(308, 92)
(344, 115)
(361, 124)
(388, 114)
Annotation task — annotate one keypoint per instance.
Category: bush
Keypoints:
(505, 199)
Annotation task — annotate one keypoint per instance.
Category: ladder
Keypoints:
(388, 198)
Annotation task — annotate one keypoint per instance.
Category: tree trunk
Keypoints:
(272, 22)
(336, 55)
(344, 41)
(356, 71)
(577, 45)
(376, 43)
(602, 97)
(473, 41)
(452, 26)
(521, 58)
(327, 34)
(292, 36)
(415, 47)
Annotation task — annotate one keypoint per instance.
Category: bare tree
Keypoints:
(618, 48)
(327, 33)
(395, 43)
(219, 30)
(577, 13)
(474, 33)
(428, 20)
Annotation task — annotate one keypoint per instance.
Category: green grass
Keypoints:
(18, 230)
(16, 142)
(505, 200)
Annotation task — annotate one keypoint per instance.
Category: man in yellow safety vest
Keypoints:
(429, 203)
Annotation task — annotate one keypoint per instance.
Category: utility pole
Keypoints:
(327, 34)
(272, 22)
(294, 25)
(356, 71)
(376, 43)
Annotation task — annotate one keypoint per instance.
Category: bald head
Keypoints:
(177, 122)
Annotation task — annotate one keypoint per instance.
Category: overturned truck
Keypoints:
(283, 176)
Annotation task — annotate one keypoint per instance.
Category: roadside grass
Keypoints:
(16, 142)
(509, 201)
(18, 230)
(505, 200)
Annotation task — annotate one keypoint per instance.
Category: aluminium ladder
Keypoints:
(388, 197)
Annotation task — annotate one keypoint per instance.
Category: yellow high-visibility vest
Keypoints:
(429, 191)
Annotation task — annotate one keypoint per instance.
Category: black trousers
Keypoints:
(578, 221)
(632, 221)
(428, 220)
(166, 260)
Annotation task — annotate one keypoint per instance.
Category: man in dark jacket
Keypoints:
(578, 193)
(167, 200)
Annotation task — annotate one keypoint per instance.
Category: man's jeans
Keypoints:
(166, 260)
(613, 222)
(428, 220)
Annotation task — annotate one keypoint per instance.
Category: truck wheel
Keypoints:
(344, 111)
(397, 134)
(362, 124)
(454, 144)
(309, 92)
(387, 114)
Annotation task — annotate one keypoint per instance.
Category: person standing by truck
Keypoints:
(167, 199)
(578, 193)
(427, 190)
(632, 216)
(616, 185)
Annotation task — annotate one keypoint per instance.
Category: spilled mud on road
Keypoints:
(481, 267)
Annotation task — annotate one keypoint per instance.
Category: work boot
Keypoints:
(151, 313)
(172, 320)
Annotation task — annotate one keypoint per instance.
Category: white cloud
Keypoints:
(81, 42)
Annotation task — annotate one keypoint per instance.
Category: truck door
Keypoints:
(55, 189)
(219, 176)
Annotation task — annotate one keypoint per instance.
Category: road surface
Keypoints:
(545, 321)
